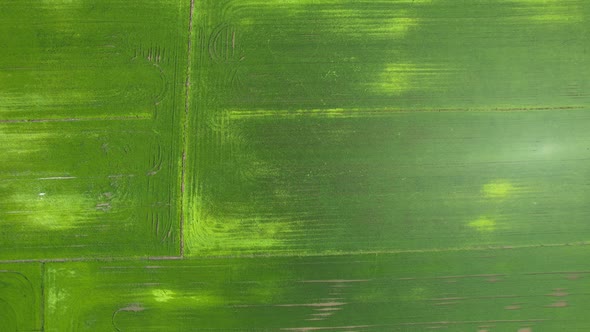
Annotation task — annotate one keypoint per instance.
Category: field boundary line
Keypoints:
(187, 91)
(310, 254)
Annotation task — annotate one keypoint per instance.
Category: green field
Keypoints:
(390, 126)
(91, 108)
(294, 165)
(458, 291)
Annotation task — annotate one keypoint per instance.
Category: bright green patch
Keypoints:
(483, 224)
(163, 295)
(498, 189)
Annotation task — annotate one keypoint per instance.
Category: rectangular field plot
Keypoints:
(280, 55)
(91, 104)
(394, 182)
(77, 59)
(91, 188)
(491, 290)
(21, 297)
(362, 126)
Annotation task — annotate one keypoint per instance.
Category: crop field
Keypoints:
(294, 165)
(91, 118)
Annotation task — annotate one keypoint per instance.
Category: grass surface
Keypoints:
(311, 165)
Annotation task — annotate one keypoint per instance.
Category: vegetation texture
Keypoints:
(294, 165)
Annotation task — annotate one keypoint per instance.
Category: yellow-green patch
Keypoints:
(483, 224)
